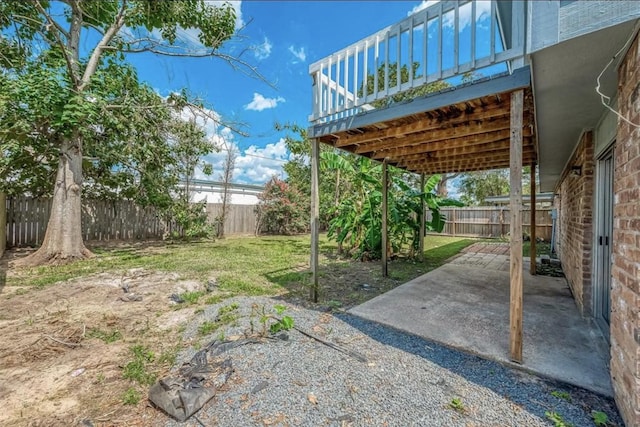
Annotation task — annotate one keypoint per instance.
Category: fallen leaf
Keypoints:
(312, 398)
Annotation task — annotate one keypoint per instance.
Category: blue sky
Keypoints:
(281, 39)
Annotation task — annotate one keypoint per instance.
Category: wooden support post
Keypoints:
(315, 217)
(423, 218)
(515, 178)
(532, 234)
(385, 202)
(3, 222)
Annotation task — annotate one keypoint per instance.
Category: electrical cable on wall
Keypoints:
(606, 99)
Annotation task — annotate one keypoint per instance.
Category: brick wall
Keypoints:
(625, 286)
(574, 237)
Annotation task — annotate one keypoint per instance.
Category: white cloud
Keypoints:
(298, 53)
(260, 103)
(483, 10)
(262, 51)
(422, 6)
(253, 165)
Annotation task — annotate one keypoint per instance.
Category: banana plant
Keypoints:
(357, 221)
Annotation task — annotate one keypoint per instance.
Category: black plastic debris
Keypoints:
(212, 285)
(196, 381)
(176, 298)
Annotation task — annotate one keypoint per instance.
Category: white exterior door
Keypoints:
(603, 243)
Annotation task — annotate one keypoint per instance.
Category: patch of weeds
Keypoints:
(191, 297)
(131, 396)
(100, 378)
(557, 419)
(226, 315)
(207, 327)
(199, 311)
(138, 369)
(168, 357)
(21, 291)
(334, 305)
(269, 321)
(600, 419)
(213, 299)
(106, 336)
(561, 395)
(457, 405)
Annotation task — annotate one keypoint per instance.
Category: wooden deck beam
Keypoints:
(496, 161)
(515, 258)
(444, 157)
(464, 142)
(473, 114)
(442, 134)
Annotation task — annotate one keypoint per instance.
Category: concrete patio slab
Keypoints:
(465, 304)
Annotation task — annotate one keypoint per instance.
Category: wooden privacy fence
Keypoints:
(26, 221)
(493, 222)
(241, 219)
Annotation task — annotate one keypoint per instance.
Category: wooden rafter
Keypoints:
(443, 134)
(424, 124)
(464, 166)
(467, 136)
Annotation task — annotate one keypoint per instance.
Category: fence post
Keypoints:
(3, 223)
(453, 222)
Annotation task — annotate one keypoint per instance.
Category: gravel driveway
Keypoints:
(405, 381)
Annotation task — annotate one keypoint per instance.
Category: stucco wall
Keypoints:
(575, 218)
(625, 286)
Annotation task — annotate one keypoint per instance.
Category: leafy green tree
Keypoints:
(70, 100)
(477, 186)
(393, 83)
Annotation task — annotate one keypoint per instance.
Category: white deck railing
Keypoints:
(447, 39)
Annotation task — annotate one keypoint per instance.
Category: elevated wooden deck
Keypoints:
(460, 130)
(488, 124)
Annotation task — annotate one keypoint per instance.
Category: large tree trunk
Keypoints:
(63, 240)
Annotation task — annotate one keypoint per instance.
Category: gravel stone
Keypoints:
(406, 381)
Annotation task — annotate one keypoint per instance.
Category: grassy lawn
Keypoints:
(270, 265)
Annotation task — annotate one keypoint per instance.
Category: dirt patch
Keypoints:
(63, 347)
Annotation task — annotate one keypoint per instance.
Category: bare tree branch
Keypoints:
(97, 52)
(157, 47)
(51, 20)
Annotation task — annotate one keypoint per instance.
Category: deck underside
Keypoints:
(467, 129)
